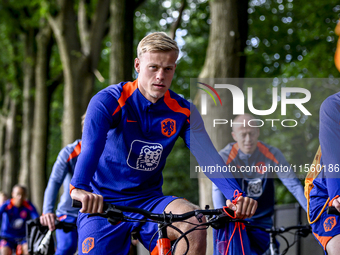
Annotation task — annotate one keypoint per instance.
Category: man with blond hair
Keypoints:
(130, 129)
(256, 164)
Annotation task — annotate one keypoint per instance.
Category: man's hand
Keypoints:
(92, 203)
(245, 207)
(336, 203)
(48, 220)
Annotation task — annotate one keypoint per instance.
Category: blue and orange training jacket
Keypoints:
(13, 219)
(327, 184)
(61, 174)
(126, 140)
(255, 174)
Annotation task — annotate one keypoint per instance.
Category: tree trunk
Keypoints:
(121, 55)
(227, 39)
(39, 142)
(10, 156)
(64, 27)
(3, 118)
(117, 58)
(79, 55)
(27, 112)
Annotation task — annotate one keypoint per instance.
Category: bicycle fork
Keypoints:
(163, 242)
(272, 246)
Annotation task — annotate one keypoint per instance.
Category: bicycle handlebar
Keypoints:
(281, 230)
(332, 210)
(116, 211)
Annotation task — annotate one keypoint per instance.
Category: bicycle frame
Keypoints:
(114, 214)
(163, 242)
(302, 230)
(18, 250)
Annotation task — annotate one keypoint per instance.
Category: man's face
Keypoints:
(18, 194)
(246, 137)
(155, 71)
(3, 198)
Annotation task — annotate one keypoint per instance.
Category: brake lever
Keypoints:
(305, 231)
(218, 222)
(113, 215)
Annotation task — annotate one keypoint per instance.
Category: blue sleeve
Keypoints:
(219, 199)
(2, 209)
(329, 136)
(59, 171)
(200, 145)
(33, 212)
(98, 122)
(290, 180)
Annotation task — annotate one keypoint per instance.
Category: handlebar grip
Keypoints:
(76, 204)
(332, 210)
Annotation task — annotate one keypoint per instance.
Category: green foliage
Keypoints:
(288, 41)
(54, 137)
(177, 181)
(291, 38)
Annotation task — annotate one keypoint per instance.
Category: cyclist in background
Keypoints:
(258, 183)
(3, 198)
(14, 213)
(62, 173)
(130, 129)
(325, 188)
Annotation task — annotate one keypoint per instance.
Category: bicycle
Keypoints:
(39, 238)
(18, 250)
(300, 230)
(216, 218)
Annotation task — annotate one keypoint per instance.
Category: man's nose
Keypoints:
(160, 74)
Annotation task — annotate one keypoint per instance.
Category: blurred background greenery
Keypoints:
(287, 40)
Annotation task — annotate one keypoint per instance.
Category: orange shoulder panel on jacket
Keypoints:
(233, 153)
(265, 151)
(174, 105)
(128, 89)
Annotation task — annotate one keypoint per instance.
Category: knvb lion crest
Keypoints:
(329, 223)
(168, 127)
(149, 157)
(88, 245)
(144, 155)
(254, 188)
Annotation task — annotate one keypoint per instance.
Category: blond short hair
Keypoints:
(157, 41)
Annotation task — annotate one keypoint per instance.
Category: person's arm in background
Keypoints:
(200, 145)
(329, 136)
(290, 180)
(219, 199)
(2, 209)
(55, 181)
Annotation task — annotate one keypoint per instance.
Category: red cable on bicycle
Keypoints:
(237, 194)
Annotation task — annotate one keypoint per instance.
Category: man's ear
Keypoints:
(234, 136)
(137, 65)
